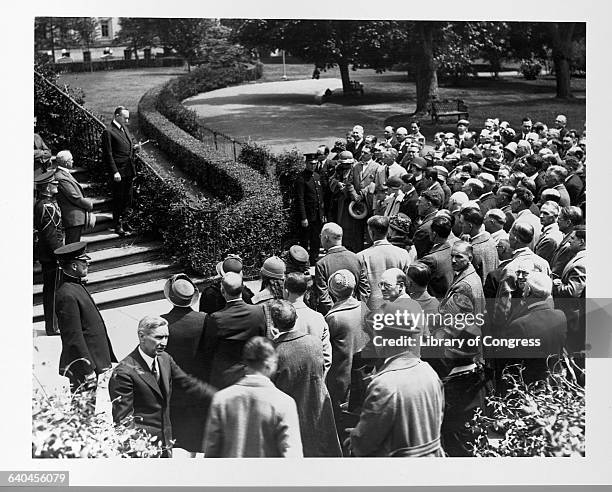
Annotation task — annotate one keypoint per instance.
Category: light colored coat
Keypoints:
(70, 199)
(378, 258)
(402, 412)
(314, 324)
(347, 338)
(253, 419)
(485, 258)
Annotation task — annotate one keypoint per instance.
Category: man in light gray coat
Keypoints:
(379, 257)
(72, 203)
(252, 418)
(403, 408)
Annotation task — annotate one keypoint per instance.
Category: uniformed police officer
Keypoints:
(86, 348)
(47, 222)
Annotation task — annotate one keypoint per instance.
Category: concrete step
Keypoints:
(113, 257)
(107, 238)
(121, 276)
(101, 203)
(123, 296)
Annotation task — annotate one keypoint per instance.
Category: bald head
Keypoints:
(504, 250)
(231, 286)
(393, 275)
(331, 235)
(521, 235)
(64, 159)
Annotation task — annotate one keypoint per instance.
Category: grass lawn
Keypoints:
(510, 98)
(105, 90)
(389, 99)
(287, 120)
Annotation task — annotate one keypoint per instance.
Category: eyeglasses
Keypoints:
(386, 285)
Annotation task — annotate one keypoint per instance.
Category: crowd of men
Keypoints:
(481, 233)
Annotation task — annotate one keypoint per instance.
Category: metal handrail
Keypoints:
(97, 122)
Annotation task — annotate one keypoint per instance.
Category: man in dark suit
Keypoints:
(47, 222)
(439, 258)
(337, 258)
(573, 183)
(555, 177)
(325, 168)
(309, 207)
(86, 348)
(464, 394)
(226, 332)
(185, 327)
(569, 218)
(428, 205)
(73, 204)
(141, 384)
(118, 152)
(356, 146)
(540, 322)
(212, 299)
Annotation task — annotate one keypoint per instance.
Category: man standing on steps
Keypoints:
(47, 221)
(118, 152)
(74, 206)
(86, 348)
(310, 208)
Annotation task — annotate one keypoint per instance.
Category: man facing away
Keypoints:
(252, 418)
(403, 408)
(379, 257)
(300, 375)
(226, 332)
(337, 257)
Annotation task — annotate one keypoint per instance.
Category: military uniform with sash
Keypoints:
(47, 222)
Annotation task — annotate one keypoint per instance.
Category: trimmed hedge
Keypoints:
(250, 219)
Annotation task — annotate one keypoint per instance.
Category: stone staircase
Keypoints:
(123, 270)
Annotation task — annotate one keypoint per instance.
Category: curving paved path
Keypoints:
(287, 114)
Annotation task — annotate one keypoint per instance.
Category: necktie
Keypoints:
(387, 172)
(154, 370)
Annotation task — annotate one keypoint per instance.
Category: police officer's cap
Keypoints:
(72, 251)
(45, 178)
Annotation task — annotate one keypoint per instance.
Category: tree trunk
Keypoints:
(426, 73)
(562, 34)
(346, 79)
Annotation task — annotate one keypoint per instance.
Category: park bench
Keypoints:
(446, 107)
(356, 87)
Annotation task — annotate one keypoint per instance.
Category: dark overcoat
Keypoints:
(82, 330)
(300, 375)
(188, 417)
